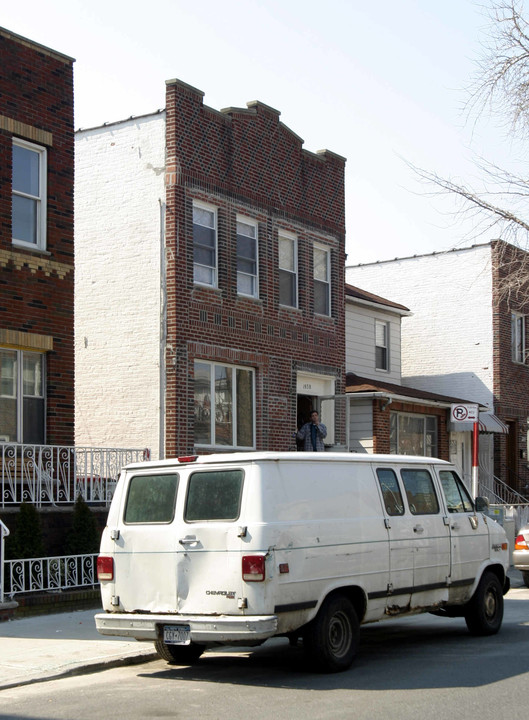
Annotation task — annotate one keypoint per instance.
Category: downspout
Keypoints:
(163, 334)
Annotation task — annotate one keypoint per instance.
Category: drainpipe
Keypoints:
(163, 333)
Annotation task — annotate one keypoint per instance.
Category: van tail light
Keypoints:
(253, 568)
(105, 568)
(520, 543)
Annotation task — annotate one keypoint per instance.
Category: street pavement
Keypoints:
(46, 647)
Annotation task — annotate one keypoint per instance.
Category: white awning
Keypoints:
(488, 423)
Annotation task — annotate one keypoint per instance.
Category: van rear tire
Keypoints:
(330, 641)
(179, 654)
(484, 611)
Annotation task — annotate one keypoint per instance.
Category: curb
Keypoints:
(96, 666)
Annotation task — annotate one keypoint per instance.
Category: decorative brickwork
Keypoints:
(246, 161)
(36, 288)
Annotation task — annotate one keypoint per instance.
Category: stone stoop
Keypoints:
(50, 602)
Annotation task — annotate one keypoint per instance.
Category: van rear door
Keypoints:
(210, 542)
(145, 549)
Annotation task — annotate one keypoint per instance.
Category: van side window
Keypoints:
(420, 492)
(390, 491)
(151, 499)
(457, 497)
(214, 495)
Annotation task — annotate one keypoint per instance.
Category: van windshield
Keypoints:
(214, 495)
(151, 499)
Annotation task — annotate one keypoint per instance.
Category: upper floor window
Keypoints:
(29, 195)
(247, 257)
(322, 281)
(224, 405)
(204, 245)
(518, 352)
(381, 345)
(288, 271)
(22, 396)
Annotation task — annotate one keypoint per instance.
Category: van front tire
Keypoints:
(484, 611)
(179, 654)
(330, 641)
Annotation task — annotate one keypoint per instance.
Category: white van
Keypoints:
(237, 548)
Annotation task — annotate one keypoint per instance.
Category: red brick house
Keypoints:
(249, 252)
(36, 243)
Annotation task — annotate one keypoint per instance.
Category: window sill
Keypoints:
(30, 248)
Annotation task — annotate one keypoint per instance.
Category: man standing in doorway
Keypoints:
(312, 434)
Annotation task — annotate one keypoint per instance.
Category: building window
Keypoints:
(224, 406)
(413, 434)
(288, 271)
(247, 257)
(322, 281)
(381, 345)
(204, 245)
(22, 397)
(518, 352)
(29, 195)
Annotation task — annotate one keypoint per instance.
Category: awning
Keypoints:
(488, 423)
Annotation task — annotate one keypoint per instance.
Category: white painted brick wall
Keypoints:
(447, 343)
(119, 183)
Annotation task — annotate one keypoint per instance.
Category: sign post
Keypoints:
(463, 412)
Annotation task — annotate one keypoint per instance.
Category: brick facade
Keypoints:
(246, 161)
(36, 287)
(511, 379)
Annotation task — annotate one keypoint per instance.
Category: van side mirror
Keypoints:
(482, 504)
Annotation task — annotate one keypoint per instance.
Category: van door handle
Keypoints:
(188, 540)
(455, 526)
(418, 529)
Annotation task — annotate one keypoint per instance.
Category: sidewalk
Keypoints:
(47, 646)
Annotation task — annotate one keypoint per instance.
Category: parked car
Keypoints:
(240, 547)
(520, 556)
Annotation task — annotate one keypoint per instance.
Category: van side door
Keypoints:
(468, 530)
(401, 543)
(431, 538)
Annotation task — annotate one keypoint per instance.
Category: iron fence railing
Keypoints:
(55, 474)
(500, 493)
(48, 574)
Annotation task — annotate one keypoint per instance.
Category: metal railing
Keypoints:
(4, 532)
(51, 574)
(55, 474)
(501, 493)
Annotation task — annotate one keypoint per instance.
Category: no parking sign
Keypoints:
(464, 412)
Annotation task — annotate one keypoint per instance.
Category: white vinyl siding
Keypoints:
(361, 426)
(360, 341)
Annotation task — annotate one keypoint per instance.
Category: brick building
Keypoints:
(36, 243)
(209, 311)
(468, 337)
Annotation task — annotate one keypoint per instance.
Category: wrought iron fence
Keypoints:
(55, 474)
(48, 574)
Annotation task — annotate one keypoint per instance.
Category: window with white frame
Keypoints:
(413, 434)
(29, 194)
(381, 345)
(22, 396)
(204, 245)
(224, 399)
(518, 351)
(288, 270)
(322, 281)
(247, 257)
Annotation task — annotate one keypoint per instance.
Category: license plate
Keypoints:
(177, 634)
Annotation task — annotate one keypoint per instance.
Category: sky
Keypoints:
(381, 83)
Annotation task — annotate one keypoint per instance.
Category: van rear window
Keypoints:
(214, 495)
(151, 499)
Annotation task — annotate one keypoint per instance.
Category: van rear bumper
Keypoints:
(204, 628)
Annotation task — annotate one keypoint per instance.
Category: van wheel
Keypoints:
(330, 641)
(179, 654)
(484, 611)
(525, 576)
